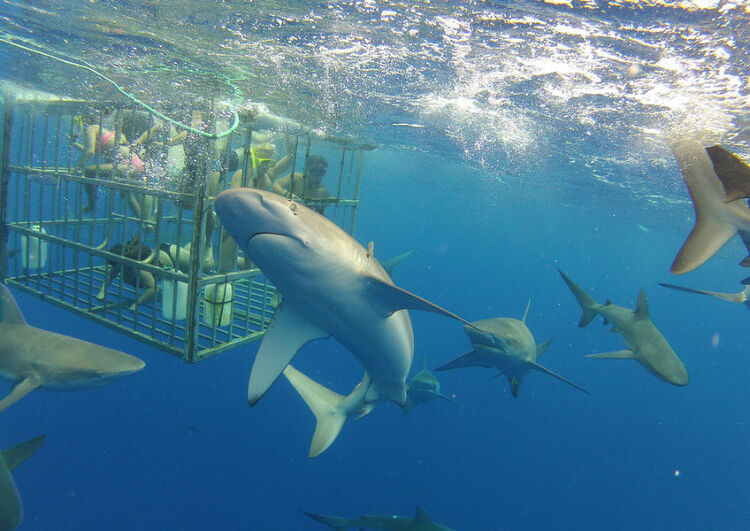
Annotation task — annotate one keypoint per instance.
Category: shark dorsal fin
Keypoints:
(9, 312)
(421, 516)
(21, 452)
(526, 313)
(641, 310)
(732, 171)
(607, 302)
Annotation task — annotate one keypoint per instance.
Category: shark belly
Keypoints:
(329, 292)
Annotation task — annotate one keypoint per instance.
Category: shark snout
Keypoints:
(236, 208)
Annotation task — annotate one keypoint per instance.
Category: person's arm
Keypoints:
(281, 185)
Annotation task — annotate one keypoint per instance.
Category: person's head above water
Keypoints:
(315, 168)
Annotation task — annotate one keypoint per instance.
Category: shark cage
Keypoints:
(106, 210)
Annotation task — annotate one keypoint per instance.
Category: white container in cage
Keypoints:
(174, 299)
(217, 304)
(34, 250)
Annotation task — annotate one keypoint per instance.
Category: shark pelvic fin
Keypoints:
(731, 297)
(586, 301)
(626, 354)
(545, 370)
(330, 408)
(387, 298)
(732, 171)
(286, 334)
(9, 311)
(21, 452)
(470, 359)
(21, 389)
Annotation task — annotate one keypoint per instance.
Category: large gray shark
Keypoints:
(716, 221)
(741, 297)
(423, 387)
(31, 357)
(331, 286)
(420, 522)
(645, 343)
(10, 502)
(508, 345)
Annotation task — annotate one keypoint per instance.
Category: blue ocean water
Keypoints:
(489, 222)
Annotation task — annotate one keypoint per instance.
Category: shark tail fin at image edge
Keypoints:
(586, 301)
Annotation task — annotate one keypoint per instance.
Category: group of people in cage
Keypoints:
(159, 150)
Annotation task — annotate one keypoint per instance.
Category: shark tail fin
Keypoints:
(586, 301)
(543, 369)
(732, 171)
(330, 409)
(339, 524)
(470, 359)
(731, 297)
(21, 452)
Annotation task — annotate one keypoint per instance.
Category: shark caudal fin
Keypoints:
(732, 171)
(715, 220)
(330, 409)
(586, 301)
(731, 297)
(339, 524)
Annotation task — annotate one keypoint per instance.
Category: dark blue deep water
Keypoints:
(490, 219)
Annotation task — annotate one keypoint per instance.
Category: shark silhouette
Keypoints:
(331, 286)
(31, 357)
(420, 522)
(423, 387)
(718, 215)
(10, 502)
(508, 345)
(645, 343)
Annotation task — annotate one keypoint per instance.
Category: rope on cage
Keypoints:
(89, 68)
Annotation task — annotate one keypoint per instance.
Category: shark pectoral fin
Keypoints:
(21, 389)
(732, 171)
(708, 236)
(21, 452)
(286, 334)
(470, 359)
(386, 299)
(338, 524)
(444, 397)
(541, 348)
(626, 354)
(731, 297)
(562, 378)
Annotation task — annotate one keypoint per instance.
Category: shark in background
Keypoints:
(31, 357)
(331, 286)
(420, 522)
(646, 344)
(508, 345)
(11, 511)
(719, 214)
(423, 387)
